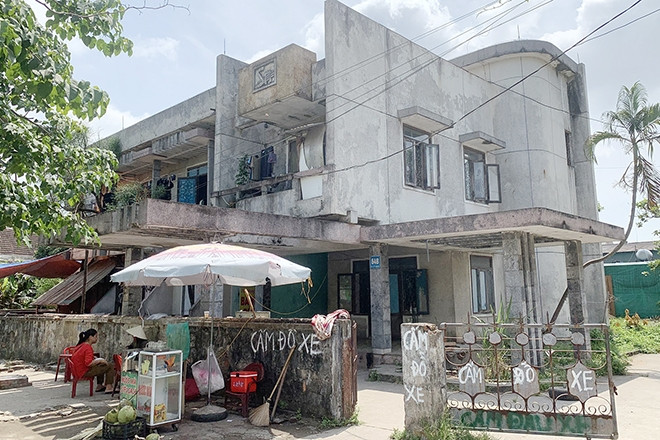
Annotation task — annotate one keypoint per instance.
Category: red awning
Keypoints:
(55, 266)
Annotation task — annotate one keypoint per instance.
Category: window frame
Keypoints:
(482, 285)
(477, 170)
(421, 160)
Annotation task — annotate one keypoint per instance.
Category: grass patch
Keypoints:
(632, 337)
(327, 423)
(441, 429)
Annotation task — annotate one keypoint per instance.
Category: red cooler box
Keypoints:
(243, 381)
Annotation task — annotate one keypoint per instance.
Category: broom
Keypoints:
(260, 416)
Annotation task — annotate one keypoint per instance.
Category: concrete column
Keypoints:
(520, 276)
(575, 281)
(585, 192)
(210, 177)
(155, 175)
(381, 321)
(131, 296)
(424, 378)
(212, 299)
(595, 292)
(520, 286)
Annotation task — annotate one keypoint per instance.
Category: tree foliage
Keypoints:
(45, 166)
(635, 124)
(19, 291)
(646, 213)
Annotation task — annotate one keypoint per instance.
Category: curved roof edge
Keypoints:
(517, 47)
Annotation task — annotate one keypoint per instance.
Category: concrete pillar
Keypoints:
(155, 175)
(575, 281)
(381, 321)
(210, 177)
(424, 378)
(595, 292)
(521, 288)
(131, 296)
(212, 299)
(585, 192)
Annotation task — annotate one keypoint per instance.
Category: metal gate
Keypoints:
(544, 379)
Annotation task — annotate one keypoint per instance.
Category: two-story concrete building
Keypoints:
(417, 188)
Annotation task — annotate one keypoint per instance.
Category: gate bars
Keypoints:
(534, 378)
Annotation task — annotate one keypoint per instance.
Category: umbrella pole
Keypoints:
(210, 349)
(209, 413)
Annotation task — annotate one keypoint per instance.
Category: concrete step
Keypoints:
(367, 359)
(386, 373)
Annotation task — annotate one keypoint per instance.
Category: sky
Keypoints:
(175, 50)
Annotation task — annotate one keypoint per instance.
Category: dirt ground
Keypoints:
(45, 410)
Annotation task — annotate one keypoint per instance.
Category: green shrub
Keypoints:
(637, 338)
(327, 423)
(127, 194)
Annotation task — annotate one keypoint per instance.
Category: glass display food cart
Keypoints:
(159, 387)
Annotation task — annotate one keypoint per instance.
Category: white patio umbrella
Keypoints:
(211, 262)
(207, 264)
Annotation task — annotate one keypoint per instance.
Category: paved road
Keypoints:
(380, 412)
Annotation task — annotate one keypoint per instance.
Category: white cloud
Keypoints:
(113, 121)
(314, 32)
(152, 48)
(407, 17)
(257, 56)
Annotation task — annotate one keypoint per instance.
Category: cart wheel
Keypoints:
(175, 427)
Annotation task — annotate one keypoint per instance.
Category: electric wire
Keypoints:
(413, 71)
(581, 41)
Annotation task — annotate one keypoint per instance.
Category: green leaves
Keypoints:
(96, 22)
(45, 168)
(636, 126)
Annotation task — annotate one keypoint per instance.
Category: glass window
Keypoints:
(293, 158)
(481, 274)
(408, 287)
(482, 181)
(345, 286)
(421, 160)
(567, 141)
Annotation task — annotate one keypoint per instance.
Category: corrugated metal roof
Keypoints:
(69, 290)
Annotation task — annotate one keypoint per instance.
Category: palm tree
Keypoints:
(636, 125)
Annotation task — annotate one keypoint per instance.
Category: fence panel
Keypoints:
(532, 378)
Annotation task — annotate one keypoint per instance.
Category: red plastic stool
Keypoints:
(244, 398)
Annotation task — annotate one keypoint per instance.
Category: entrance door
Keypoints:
(408, 293)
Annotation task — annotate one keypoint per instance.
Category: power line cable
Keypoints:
(375, 57)
(554, 58)
(581, 41)
(426, 52)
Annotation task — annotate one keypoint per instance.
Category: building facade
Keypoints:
(422, 189)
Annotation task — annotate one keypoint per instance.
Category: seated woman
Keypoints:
(85, 365)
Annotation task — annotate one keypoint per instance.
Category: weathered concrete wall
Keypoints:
(293, 66)
(169, 120)
(424, 377)
(314, 382)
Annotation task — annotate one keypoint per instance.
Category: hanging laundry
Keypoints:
(272, 157)
(255, 167)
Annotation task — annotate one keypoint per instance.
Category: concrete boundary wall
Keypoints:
(313, 383)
